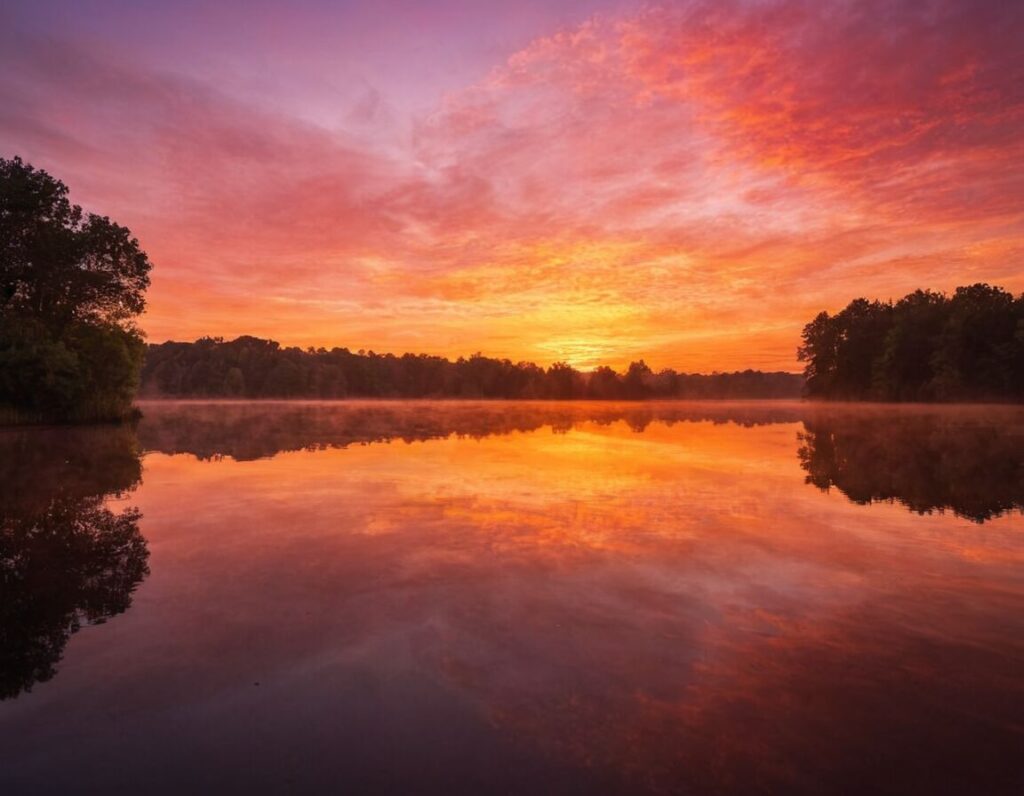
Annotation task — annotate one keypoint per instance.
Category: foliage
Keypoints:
(253, 368)
(71, 284)
(924, 347)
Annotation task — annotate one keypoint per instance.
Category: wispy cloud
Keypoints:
(686, 183)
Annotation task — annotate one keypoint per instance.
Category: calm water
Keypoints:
(518, 598)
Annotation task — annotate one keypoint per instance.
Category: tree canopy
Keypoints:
(925, 347)
(71, 285)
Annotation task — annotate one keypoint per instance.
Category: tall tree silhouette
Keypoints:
(71, 284)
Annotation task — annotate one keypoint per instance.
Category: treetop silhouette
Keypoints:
(71, 285)
(925, 347)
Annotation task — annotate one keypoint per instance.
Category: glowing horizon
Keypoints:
(589, 181)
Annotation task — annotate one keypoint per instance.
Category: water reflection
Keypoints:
(66, 559)
(555, 598)
(253, 430)
(969, 462)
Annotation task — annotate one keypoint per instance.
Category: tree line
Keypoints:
(250, 367)
(925, 347)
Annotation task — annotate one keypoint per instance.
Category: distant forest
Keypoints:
(250, 367)
(925, 347)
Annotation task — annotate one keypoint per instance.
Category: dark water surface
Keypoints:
(515, 598)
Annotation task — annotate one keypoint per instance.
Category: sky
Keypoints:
(592, 181)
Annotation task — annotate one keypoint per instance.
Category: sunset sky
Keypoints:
(586, 180)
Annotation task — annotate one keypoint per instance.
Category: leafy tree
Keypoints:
(979, 352)
(637, 381)
(71, 284)
(819, 351)
(926, 346)
(562, 381)
(863, 326)
(604, 384)
(903, 370)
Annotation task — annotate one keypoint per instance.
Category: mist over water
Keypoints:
(516, 597)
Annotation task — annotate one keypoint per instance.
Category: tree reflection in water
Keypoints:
(939, 460)
(969, 460)
(66, 559)
(260, 429)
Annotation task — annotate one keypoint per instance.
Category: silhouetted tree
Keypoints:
(563, 382)
(819, 351)
(981, 351)
(638, 380)
(924, 347)
(903, 369)
(71, 284)
(605, 384)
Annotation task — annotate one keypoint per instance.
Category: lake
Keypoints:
(515, 597)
